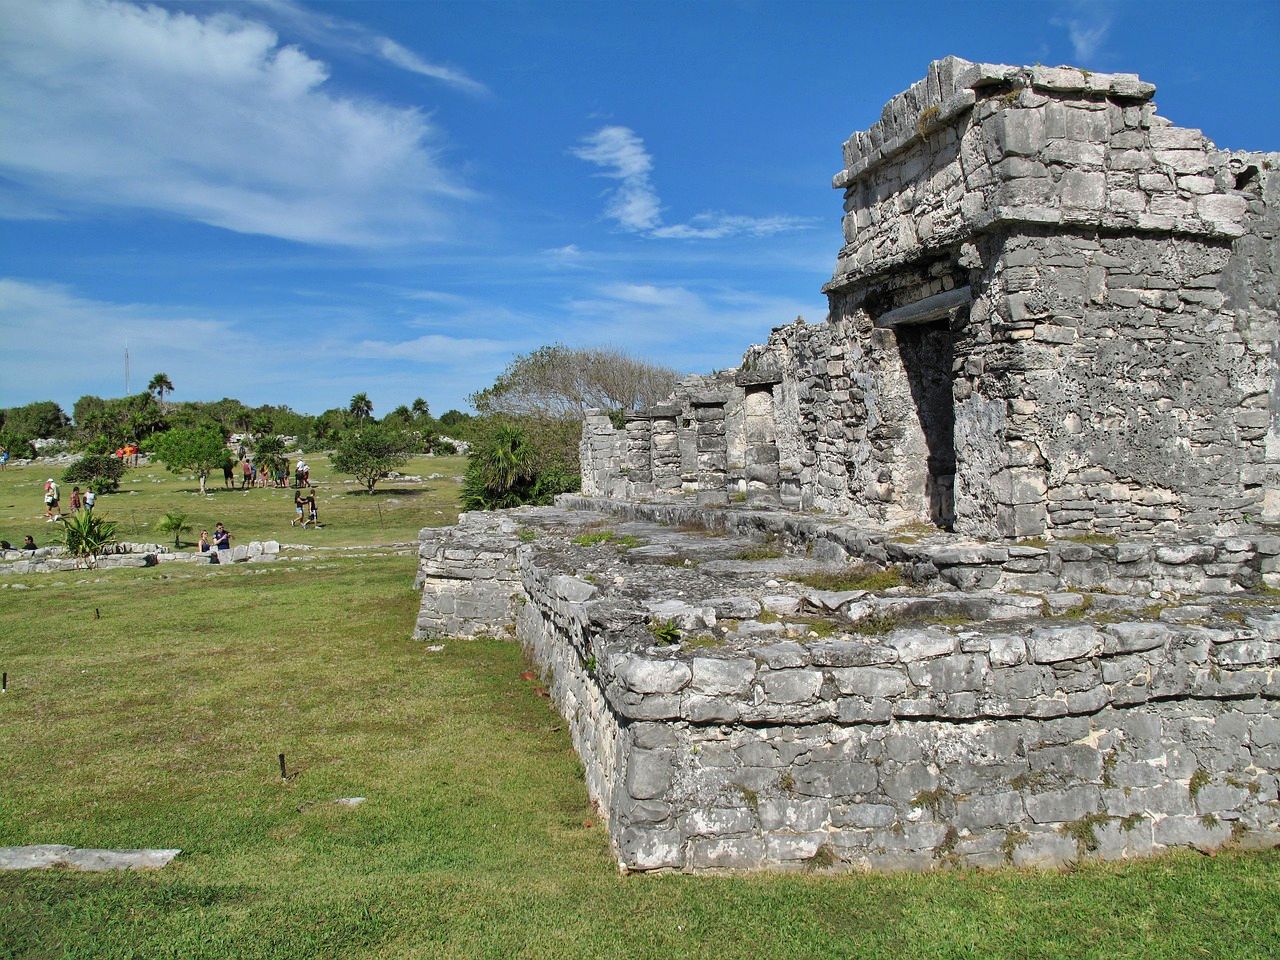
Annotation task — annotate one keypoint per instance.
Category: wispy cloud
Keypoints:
(108, 103)
(621, 155)
(340, 33)
(1087, 27)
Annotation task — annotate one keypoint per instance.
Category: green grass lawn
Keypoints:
(395, 512)
(159, 725)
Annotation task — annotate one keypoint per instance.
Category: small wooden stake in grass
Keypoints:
(4, 682)
(97, 614)
(283, 774)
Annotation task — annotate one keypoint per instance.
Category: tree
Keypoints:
(401, 416)
(361, 407)
(175, 522)
(100, 472)
(370, 452)
(560, 381)
(201, 450)
(420, 409)
(268, 451)
(35, 421)
(160, 385)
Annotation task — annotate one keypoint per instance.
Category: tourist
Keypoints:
(297, 474)
(76, 502)
(50, 500)
(90, 498)
(4, 458)
(221, 538)
(28, 543)
(298, 503)
(204, 541)
(247, 471)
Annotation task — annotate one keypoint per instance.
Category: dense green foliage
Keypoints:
(100, 472)
(268, 451)
(159, 724)
(34, 421)
(199, 450)
(370, 452)
(508, 467)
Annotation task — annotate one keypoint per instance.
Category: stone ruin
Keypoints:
(981, 569)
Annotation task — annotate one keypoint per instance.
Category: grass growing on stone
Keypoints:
(159, 725)
(858, 576)
(395, 512)
(594, 538)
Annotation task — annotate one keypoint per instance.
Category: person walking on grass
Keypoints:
(247, 478)
(90, 498)
(312, 509)
(51, 497)
(299, 505)
(76, 502)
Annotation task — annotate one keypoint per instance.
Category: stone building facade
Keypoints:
(1054, 313)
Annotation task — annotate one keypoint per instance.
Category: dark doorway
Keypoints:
(927, 352)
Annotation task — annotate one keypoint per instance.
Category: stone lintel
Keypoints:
(708, 399)
(664, 411)
(929, 309)
(757, 378)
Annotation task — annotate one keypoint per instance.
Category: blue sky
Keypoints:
(292, 202)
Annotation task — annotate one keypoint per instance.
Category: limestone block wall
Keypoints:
(468, 576)
(1053, 313)
(1017, 741)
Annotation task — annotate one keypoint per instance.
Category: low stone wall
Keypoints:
(471, 577)
(55, 559)
(755, 742)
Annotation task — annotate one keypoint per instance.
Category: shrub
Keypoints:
(87, 536)
(97, 471)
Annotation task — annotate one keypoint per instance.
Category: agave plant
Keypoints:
(87, 536)
(175, 522)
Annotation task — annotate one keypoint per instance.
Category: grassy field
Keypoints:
(395, 512)
(160, 723)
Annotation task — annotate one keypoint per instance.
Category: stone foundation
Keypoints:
(780, 726)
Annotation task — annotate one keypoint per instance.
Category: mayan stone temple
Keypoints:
(980, 570)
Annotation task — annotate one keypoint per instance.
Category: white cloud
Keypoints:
(634, 204)
(1087, 29)
(347, 34)
(210, 118)
(57, 343)
(714, 226)
(431, 348)
(622, 156)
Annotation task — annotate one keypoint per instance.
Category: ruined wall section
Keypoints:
(1053, 312)
(1100, 382)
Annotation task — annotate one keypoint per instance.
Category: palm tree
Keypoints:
(160, 385)
(420, 408)
(361, 407)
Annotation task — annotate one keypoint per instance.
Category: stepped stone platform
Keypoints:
(979, 569)
(730, 716)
